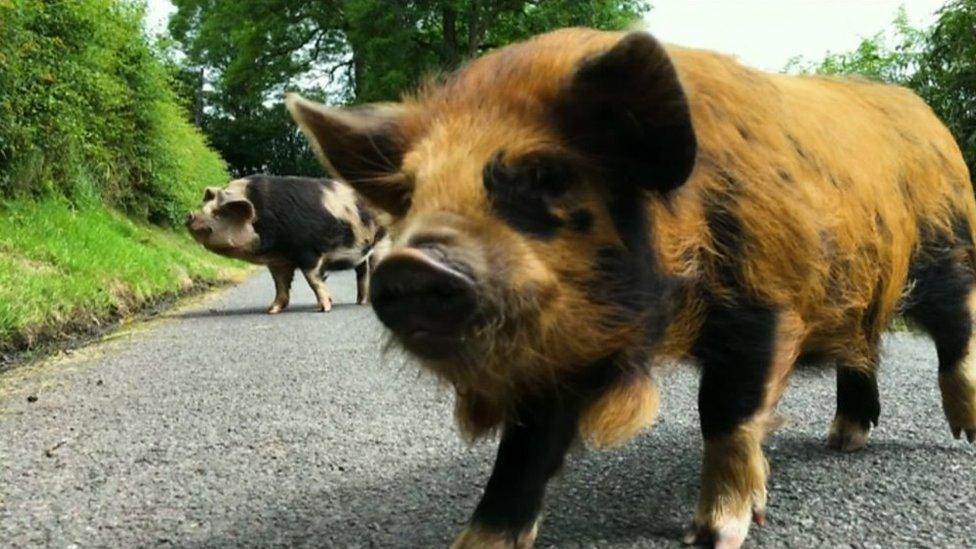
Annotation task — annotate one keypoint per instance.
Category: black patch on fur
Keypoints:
(365, 217)
(531, 451)
(911, 138)
(882, 225)
(904, 185)
(292, 222)
(857, 396)
(581, 221)
(630, 277)
(522, 192)
(620, 280)
(735, 348)
(942, 273)
(340, 265)
(797, 146)
(728, 237)
(869, 322)
(727, 231)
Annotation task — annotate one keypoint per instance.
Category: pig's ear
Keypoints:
(238, 208)
(626, 109)
(363, 146)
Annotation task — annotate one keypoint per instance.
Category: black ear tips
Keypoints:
(627, 108)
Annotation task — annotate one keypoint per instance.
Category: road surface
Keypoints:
(221, 426)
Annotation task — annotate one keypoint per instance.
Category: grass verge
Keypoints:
(65, 270)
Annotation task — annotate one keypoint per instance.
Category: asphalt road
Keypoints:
(221, 426)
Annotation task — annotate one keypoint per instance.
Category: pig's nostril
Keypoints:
(425, 302)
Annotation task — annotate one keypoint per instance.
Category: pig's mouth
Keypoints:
(428, 304)
(198, 229)
(432, 345)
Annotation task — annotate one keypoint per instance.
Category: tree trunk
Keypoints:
(474, 28)
(452, 57)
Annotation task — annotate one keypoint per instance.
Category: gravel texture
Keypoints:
(222, 426)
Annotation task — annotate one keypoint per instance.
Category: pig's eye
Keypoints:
(526, 192)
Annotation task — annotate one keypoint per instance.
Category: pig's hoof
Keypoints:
(957, 432)
(959, 401)
(846, 435)
(476, 537)
(729, 535)
(326, 307)
(276, 308)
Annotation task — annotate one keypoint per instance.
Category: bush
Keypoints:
(87, 112)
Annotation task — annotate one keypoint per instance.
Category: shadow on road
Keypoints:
(618, 496)
(262, 311)
(642, 493)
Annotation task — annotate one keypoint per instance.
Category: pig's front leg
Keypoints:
(283, 275)
(747, 353)
(530, 453)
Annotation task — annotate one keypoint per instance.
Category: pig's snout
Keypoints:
(426, 302)
(197, 225)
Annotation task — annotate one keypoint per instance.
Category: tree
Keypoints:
(887, 56)
(343, 51)
(946, 75)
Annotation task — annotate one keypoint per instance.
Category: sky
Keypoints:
(767, 33)
(761, 33)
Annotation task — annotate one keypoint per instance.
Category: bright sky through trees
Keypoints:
(763, 33)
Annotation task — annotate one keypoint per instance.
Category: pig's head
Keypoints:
(519, 192)
(224, 224)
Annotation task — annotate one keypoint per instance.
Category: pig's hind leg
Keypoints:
(282, 274)
(943, 302)
(858, 405)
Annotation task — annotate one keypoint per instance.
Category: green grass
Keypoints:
(63, 268)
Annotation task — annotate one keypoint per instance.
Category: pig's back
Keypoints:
(810, 193)
(302, 219)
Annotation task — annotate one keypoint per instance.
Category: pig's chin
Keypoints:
(450, 357)
(430, 345)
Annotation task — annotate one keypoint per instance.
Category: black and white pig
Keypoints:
(288, 223)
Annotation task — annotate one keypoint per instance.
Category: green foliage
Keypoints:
(947, 73)
(938, 63)
(344, 51)
(87, 112)
(63, 267)
(886, 56)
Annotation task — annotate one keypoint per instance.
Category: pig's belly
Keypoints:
(342, 259)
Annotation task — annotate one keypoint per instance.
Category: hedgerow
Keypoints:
(87, 112)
